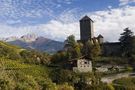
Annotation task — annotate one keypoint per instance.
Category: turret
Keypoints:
(100, 38)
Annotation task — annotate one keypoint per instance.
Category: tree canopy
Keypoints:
(127, 42)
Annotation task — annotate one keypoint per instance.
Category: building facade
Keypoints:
(82, 65)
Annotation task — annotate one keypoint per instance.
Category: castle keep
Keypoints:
(87, 31)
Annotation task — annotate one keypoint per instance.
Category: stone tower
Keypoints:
(86, 29)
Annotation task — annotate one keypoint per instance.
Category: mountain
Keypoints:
(31, 41)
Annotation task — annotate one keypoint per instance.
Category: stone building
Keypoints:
(87, 31)
(111, 49)
(82, 65)
(86, 28)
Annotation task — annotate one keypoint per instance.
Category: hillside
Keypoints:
(31, 41)
(16, 73)
(25, 70)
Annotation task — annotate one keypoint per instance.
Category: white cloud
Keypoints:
(55, 30)
(124, 2)
(110, 23)
(69, 16)
(17, 9)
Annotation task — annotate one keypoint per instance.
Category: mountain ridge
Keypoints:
(31, 41)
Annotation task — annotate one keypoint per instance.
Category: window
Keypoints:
(85, 62)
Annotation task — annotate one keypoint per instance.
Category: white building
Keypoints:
(82, 65)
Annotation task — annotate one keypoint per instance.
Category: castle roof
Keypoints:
(86, 18)
(100, 36)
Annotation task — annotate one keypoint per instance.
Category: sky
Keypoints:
(57, 19)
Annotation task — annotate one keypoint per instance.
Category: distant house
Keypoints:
(82, 65)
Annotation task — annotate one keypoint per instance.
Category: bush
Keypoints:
(6, 81)
(65, 87)
(124, 84)
(129, 68)
(34, 57)
(61, 76)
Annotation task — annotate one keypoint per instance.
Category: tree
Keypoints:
(127, 42)
(73, 48)
(88, 49)
(70, 41)
(92, 50)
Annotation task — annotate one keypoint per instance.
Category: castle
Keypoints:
(87, 33)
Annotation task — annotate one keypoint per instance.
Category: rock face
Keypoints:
(28, 37)
(31, 41)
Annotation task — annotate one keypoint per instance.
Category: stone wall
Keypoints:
(111, 49)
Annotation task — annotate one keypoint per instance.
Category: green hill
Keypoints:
(18, 75)
(22, 69)
(9, 51)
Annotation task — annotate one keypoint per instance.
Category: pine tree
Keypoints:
(127, 42)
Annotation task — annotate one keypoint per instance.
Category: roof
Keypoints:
(86, 18)
(100, 36)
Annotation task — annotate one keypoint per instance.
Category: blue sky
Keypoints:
(56, 19)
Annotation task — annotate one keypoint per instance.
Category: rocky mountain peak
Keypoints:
(28, 37)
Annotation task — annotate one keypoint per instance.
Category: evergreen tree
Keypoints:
(127, 42)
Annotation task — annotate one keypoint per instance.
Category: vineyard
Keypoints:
(22, 69)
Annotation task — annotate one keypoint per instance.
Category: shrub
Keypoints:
(65, 87)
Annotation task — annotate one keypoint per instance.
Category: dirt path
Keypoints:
(109, 79)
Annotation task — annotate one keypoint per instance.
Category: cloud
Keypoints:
(55, 30)
(59, 31)
(69, 15)
(125, 2)
(17, 9)
(65, 1)
(110, 23)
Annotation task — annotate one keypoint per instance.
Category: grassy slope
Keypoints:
(20, 73)
(27, 69)
(18, 65)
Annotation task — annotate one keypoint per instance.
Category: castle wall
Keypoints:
(111, 49)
